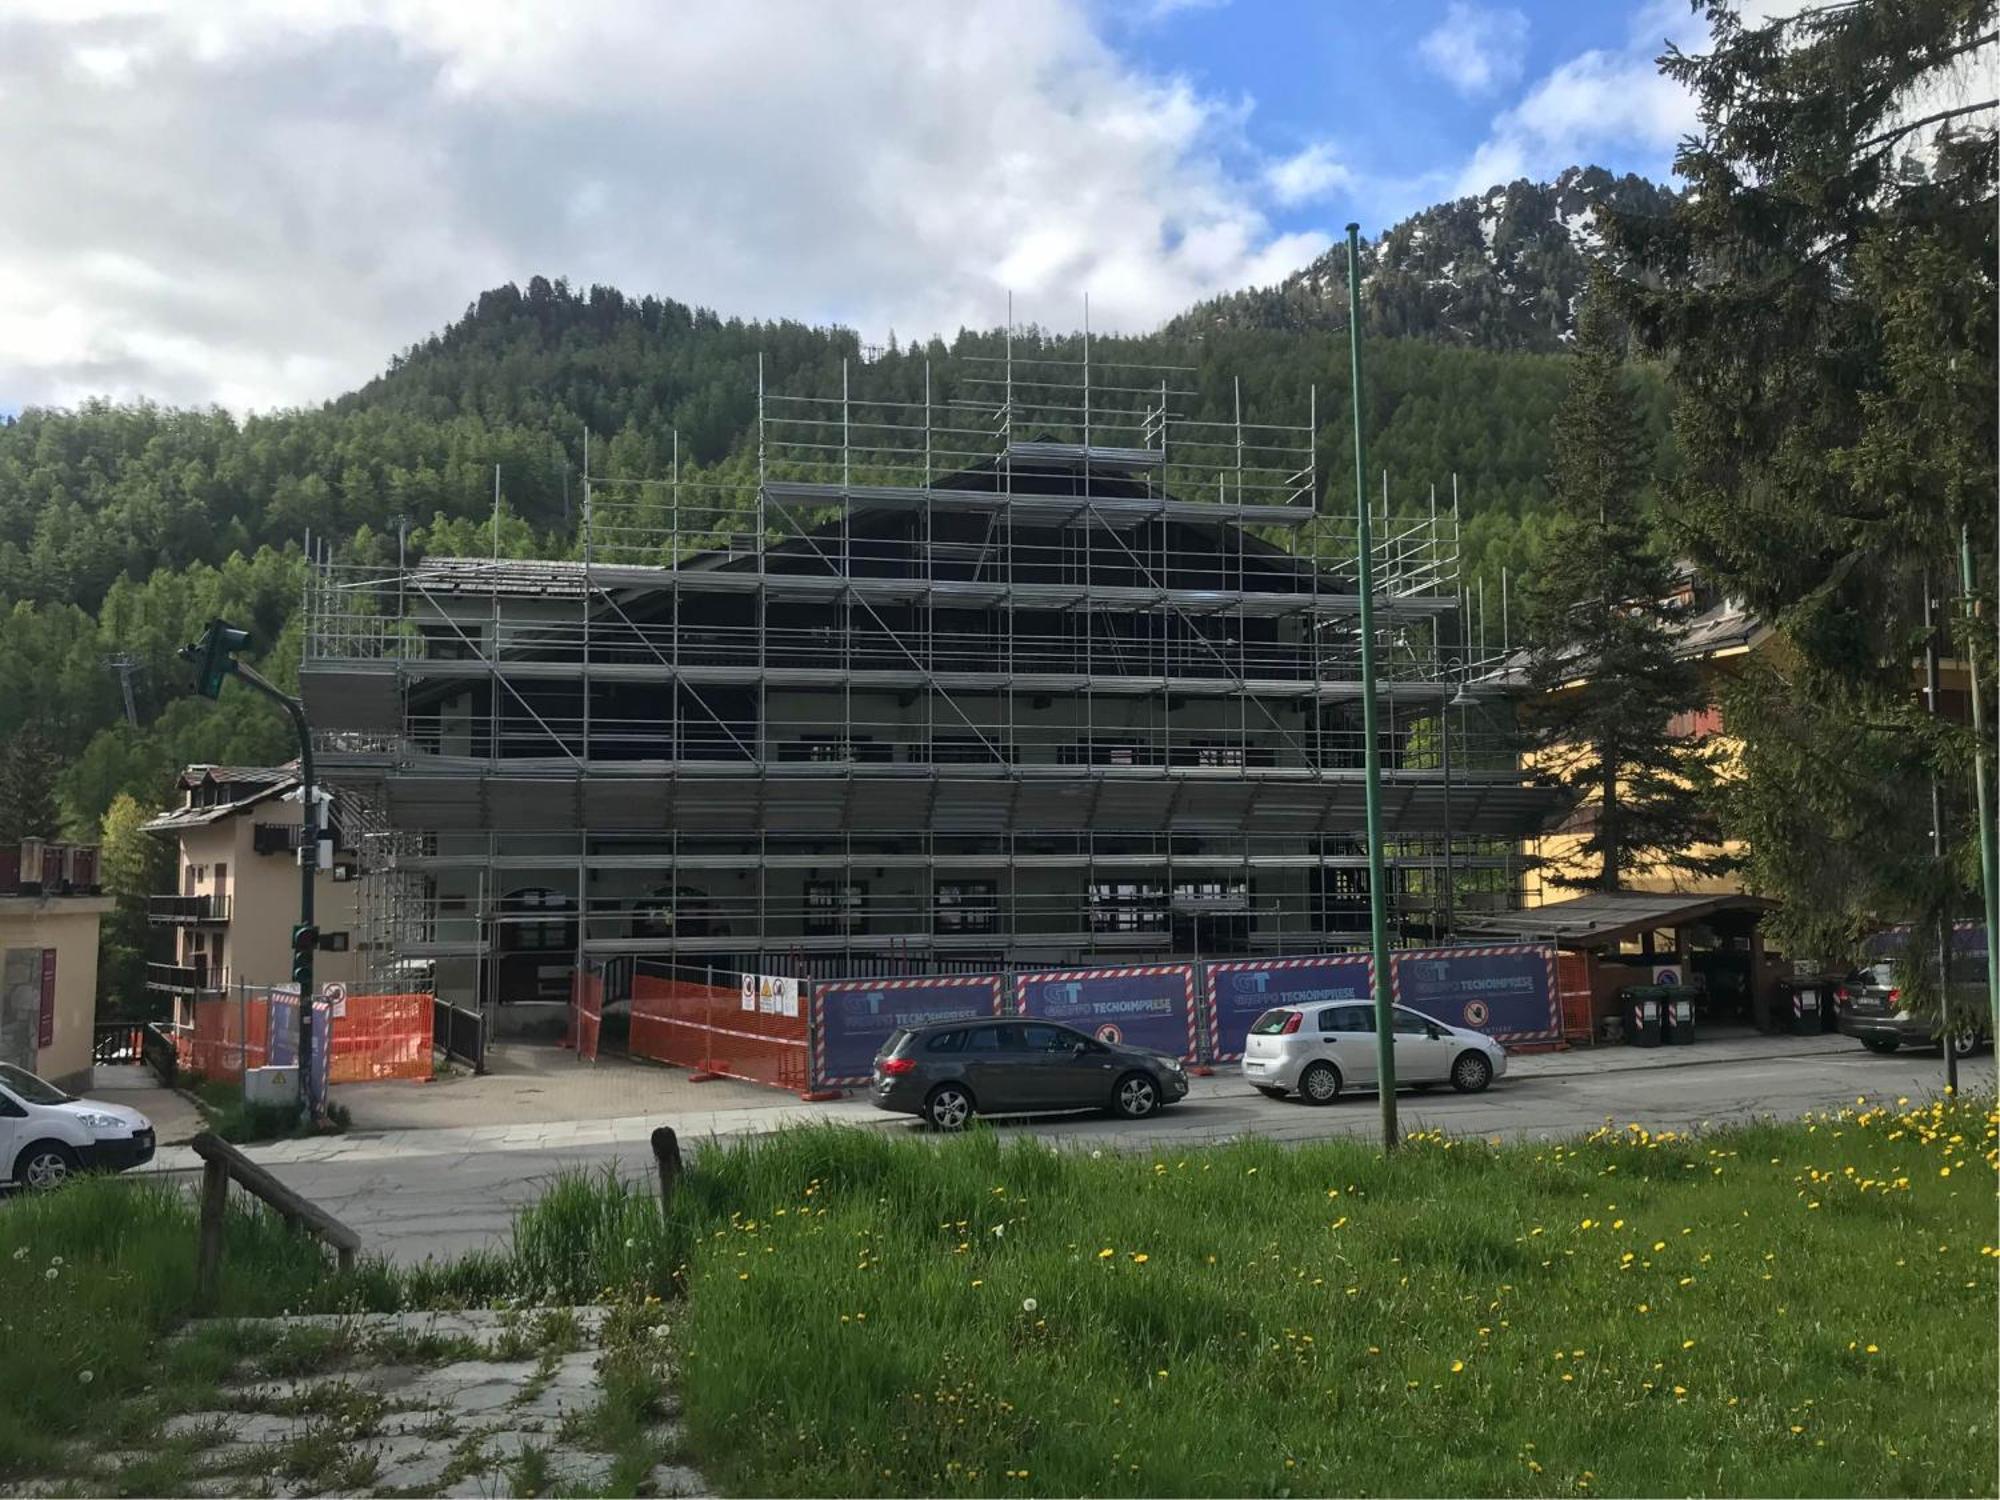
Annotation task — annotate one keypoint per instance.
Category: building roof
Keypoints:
(256, 784)
(1599, 918)
(1724, 627)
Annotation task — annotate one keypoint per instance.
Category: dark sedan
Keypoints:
(950, 1071)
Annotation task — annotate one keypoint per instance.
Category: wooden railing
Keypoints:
(221, 1162)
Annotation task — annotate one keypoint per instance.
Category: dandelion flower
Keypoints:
(1458, 1367)
(1687, 1343)
(49, 1274)
(1141, 1258)
(84, 1377)
(22, 1253)
(1106, 1253)
(1029, 1304)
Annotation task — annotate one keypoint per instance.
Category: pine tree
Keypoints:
(27, 788)
(133, 865)
(1606, 674)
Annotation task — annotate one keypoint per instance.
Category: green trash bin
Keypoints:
(1642, 1010)
(1677, 1017)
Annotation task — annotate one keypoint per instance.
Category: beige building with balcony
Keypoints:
(236, 894)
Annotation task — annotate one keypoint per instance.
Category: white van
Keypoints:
(47, 1137)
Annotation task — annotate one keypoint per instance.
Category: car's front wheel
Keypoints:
(1471, 1073)
(46, 1165)
(1135, 1097)
(1320, 1083)
(949, 1107)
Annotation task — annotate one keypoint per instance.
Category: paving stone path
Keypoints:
(449, 1403)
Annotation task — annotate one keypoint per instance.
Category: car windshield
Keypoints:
(1271, 1023)
(29, 1087)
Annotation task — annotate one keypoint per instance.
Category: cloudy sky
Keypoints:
(256, 202)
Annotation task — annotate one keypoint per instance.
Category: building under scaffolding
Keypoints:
(1033, 668)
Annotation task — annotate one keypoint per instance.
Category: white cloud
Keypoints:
(1602, 103)
(260, 212)
(1309, 174)
(1476, 49)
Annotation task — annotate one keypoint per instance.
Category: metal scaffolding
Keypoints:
(1035, 663)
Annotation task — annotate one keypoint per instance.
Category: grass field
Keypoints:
(1806, 1309)
(1801, 1309)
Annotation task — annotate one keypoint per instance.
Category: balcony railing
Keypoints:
(188, 909)
(179, 979)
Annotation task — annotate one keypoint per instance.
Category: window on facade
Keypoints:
(967, 749)
(1212, 754)
(1127, 906)
(221, 877)
(836, 907)
(537, 920)
(967, 906)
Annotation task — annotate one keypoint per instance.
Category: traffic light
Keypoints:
(214, 655)
(305, 940)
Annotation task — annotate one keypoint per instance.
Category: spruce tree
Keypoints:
(1824, 300)
(27, 788)
(1607, 678)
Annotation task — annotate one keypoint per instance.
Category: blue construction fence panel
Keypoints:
(852, 1018)
(1239, 991)
(282, 1031)
(1507, 991)
(1142, 1005)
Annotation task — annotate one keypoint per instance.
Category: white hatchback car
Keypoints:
(1318, 1050)
(47, 1136)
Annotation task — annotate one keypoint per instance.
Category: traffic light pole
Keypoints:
(1378, 923)
(302, 955)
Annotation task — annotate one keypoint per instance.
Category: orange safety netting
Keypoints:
(706, 1027)
(228, 1036)
(381, 1036)
(1573, 985)
(589, 1014)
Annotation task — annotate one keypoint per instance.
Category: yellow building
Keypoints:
(1720, 636)
(49, 915)
(236, 893)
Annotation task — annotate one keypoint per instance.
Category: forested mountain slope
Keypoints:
(123, 527)
(1503, 270)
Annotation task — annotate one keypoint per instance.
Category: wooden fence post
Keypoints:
(667, 1157)
(208, 1246)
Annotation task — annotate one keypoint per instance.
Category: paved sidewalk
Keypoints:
(781, 1111)
(175, 1120)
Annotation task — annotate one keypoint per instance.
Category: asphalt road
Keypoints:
(443, 1204)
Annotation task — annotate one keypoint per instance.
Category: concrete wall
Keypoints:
(30, 926)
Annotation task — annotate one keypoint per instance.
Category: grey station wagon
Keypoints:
(951, 1070)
